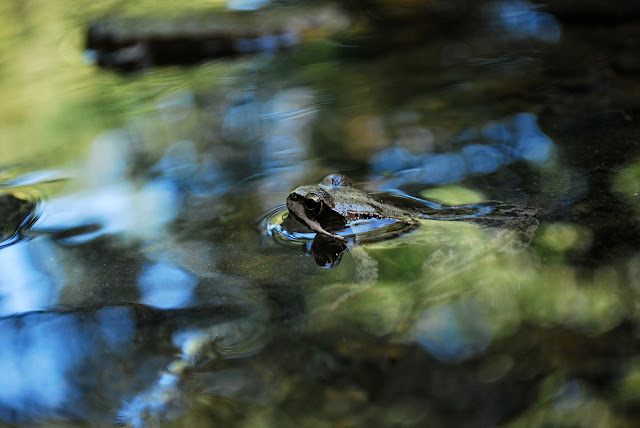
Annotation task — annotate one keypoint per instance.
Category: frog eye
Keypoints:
(313, 204)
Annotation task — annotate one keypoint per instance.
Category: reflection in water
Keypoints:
(192, 173)
(241, 119)
(326, 252)
(454, 332)
(164, 401)
(201, 351)
(165, 286)
(17, 215)
(111, 203)
(132, 197)
(52, 360)
(143, 213)
(27, 281)
(246, 4)
(137, 43)
(20, 199)
(116, 326)
(107, 240)
(484, 151)
(519, 19)
(38, 355)
(452, 325)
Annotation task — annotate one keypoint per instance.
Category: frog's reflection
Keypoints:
(326, 252)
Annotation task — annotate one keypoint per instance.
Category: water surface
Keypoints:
(141, 285)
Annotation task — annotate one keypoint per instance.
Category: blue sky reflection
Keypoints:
(166, 286)
(142, 213)
(24, 283)
(51, 359)
(483, 151)
(116, 325)
(37, 355)
(453, 332)
(518, 19)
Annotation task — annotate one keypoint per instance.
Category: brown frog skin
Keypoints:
(334, 204)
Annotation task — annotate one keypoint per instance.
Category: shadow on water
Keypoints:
(150, 274)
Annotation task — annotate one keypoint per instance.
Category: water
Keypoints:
(141, 284)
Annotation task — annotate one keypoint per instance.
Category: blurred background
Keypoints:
(146, 149)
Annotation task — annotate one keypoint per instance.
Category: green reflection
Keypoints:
(451, 279)
(53, 103)
(453, 195)
(627, 182)
(560, 238)
(568, 404)
(447, 261)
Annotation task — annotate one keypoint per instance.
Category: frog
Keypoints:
(335, 205)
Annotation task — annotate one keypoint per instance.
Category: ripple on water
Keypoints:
(18, 212)
(20, 203)
(277, 224)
